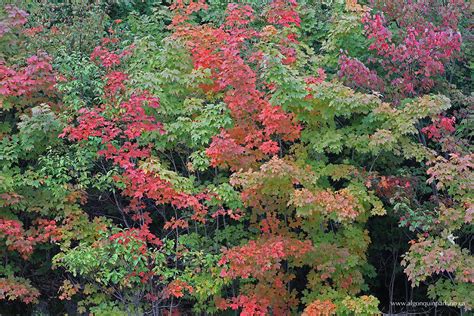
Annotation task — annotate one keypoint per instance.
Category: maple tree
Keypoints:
(257, 158)
(419, 33)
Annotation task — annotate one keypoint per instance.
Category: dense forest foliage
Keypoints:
(278, 157)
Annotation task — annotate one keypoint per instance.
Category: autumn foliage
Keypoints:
(202, 158)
